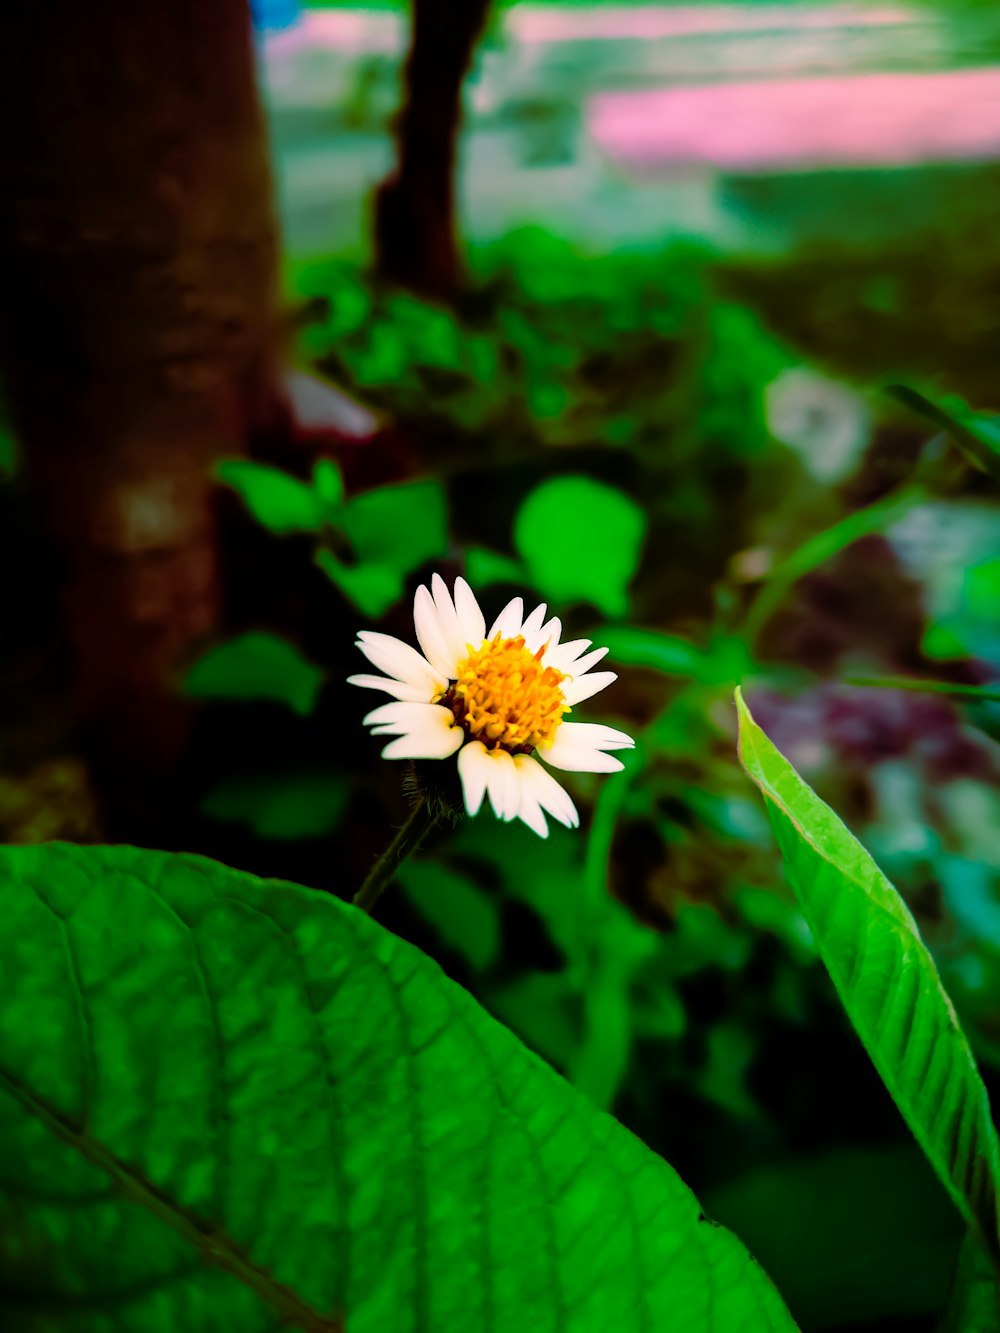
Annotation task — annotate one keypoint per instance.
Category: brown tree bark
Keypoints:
(139, 303)
(416, 240)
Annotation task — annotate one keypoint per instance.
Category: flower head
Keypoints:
(498, 699)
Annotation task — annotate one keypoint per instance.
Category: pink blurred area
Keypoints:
(538, 24)
(844, 120)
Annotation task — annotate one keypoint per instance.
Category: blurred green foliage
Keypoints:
(256, 666)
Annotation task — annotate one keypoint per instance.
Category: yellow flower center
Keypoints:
(505, 696)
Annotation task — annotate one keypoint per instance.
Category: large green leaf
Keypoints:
(887, 981)
(227, 1102)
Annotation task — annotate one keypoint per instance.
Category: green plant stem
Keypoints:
(422, 819)
(823, 546)
(914, 683)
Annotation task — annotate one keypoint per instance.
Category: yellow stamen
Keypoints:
(504, 696)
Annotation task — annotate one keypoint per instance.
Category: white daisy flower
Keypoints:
(497, 699)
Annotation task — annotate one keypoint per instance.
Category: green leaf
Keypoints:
(581, 541)
(231, 1103)
(483, 567)
(285, 805)
(399, 527)
(257, 666)
(977, 435)
(277, 500)
(887, 981)
(464, 916)
(372, 588)
(328, 482)
(668, 653)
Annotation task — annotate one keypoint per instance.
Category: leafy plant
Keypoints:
(387, 532)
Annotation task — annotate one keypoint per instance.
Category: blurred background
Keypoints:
(682, 317)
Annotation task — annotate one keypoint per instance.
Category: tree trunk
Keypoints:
(138, 273)
(415, 231)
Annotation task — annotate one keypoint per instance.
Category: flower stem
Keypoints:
(422, 819)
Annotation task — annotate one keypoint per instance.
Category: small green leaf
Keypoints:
(463, 915)
(328, 482)
(483, 567)
(668, 653)
(228, 1103)
(581, 541)
(277, 500)
(887, 981)
(399, 527)
(257, 666)
(372, 588)
(285, 805)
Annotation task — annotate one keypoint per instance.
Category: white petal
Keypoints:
(580, 760)
(578, 747)
(470, 617)
(502, 784)
(474, 770)
(533, 624)
(583, 687)
(399, 660)
(436, 737)
(397, 688)
(543, 788)
(585, 662)
(547, 634)
(404, 716)
(508, 622)
(562, 655)
(531, 813)
(594, 734)
(448, 621)
(429, 634)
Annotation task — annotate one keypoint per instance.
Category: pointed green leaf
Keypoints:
(276, 499)
(887, 980)
(372, 588)
(228, 1103)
